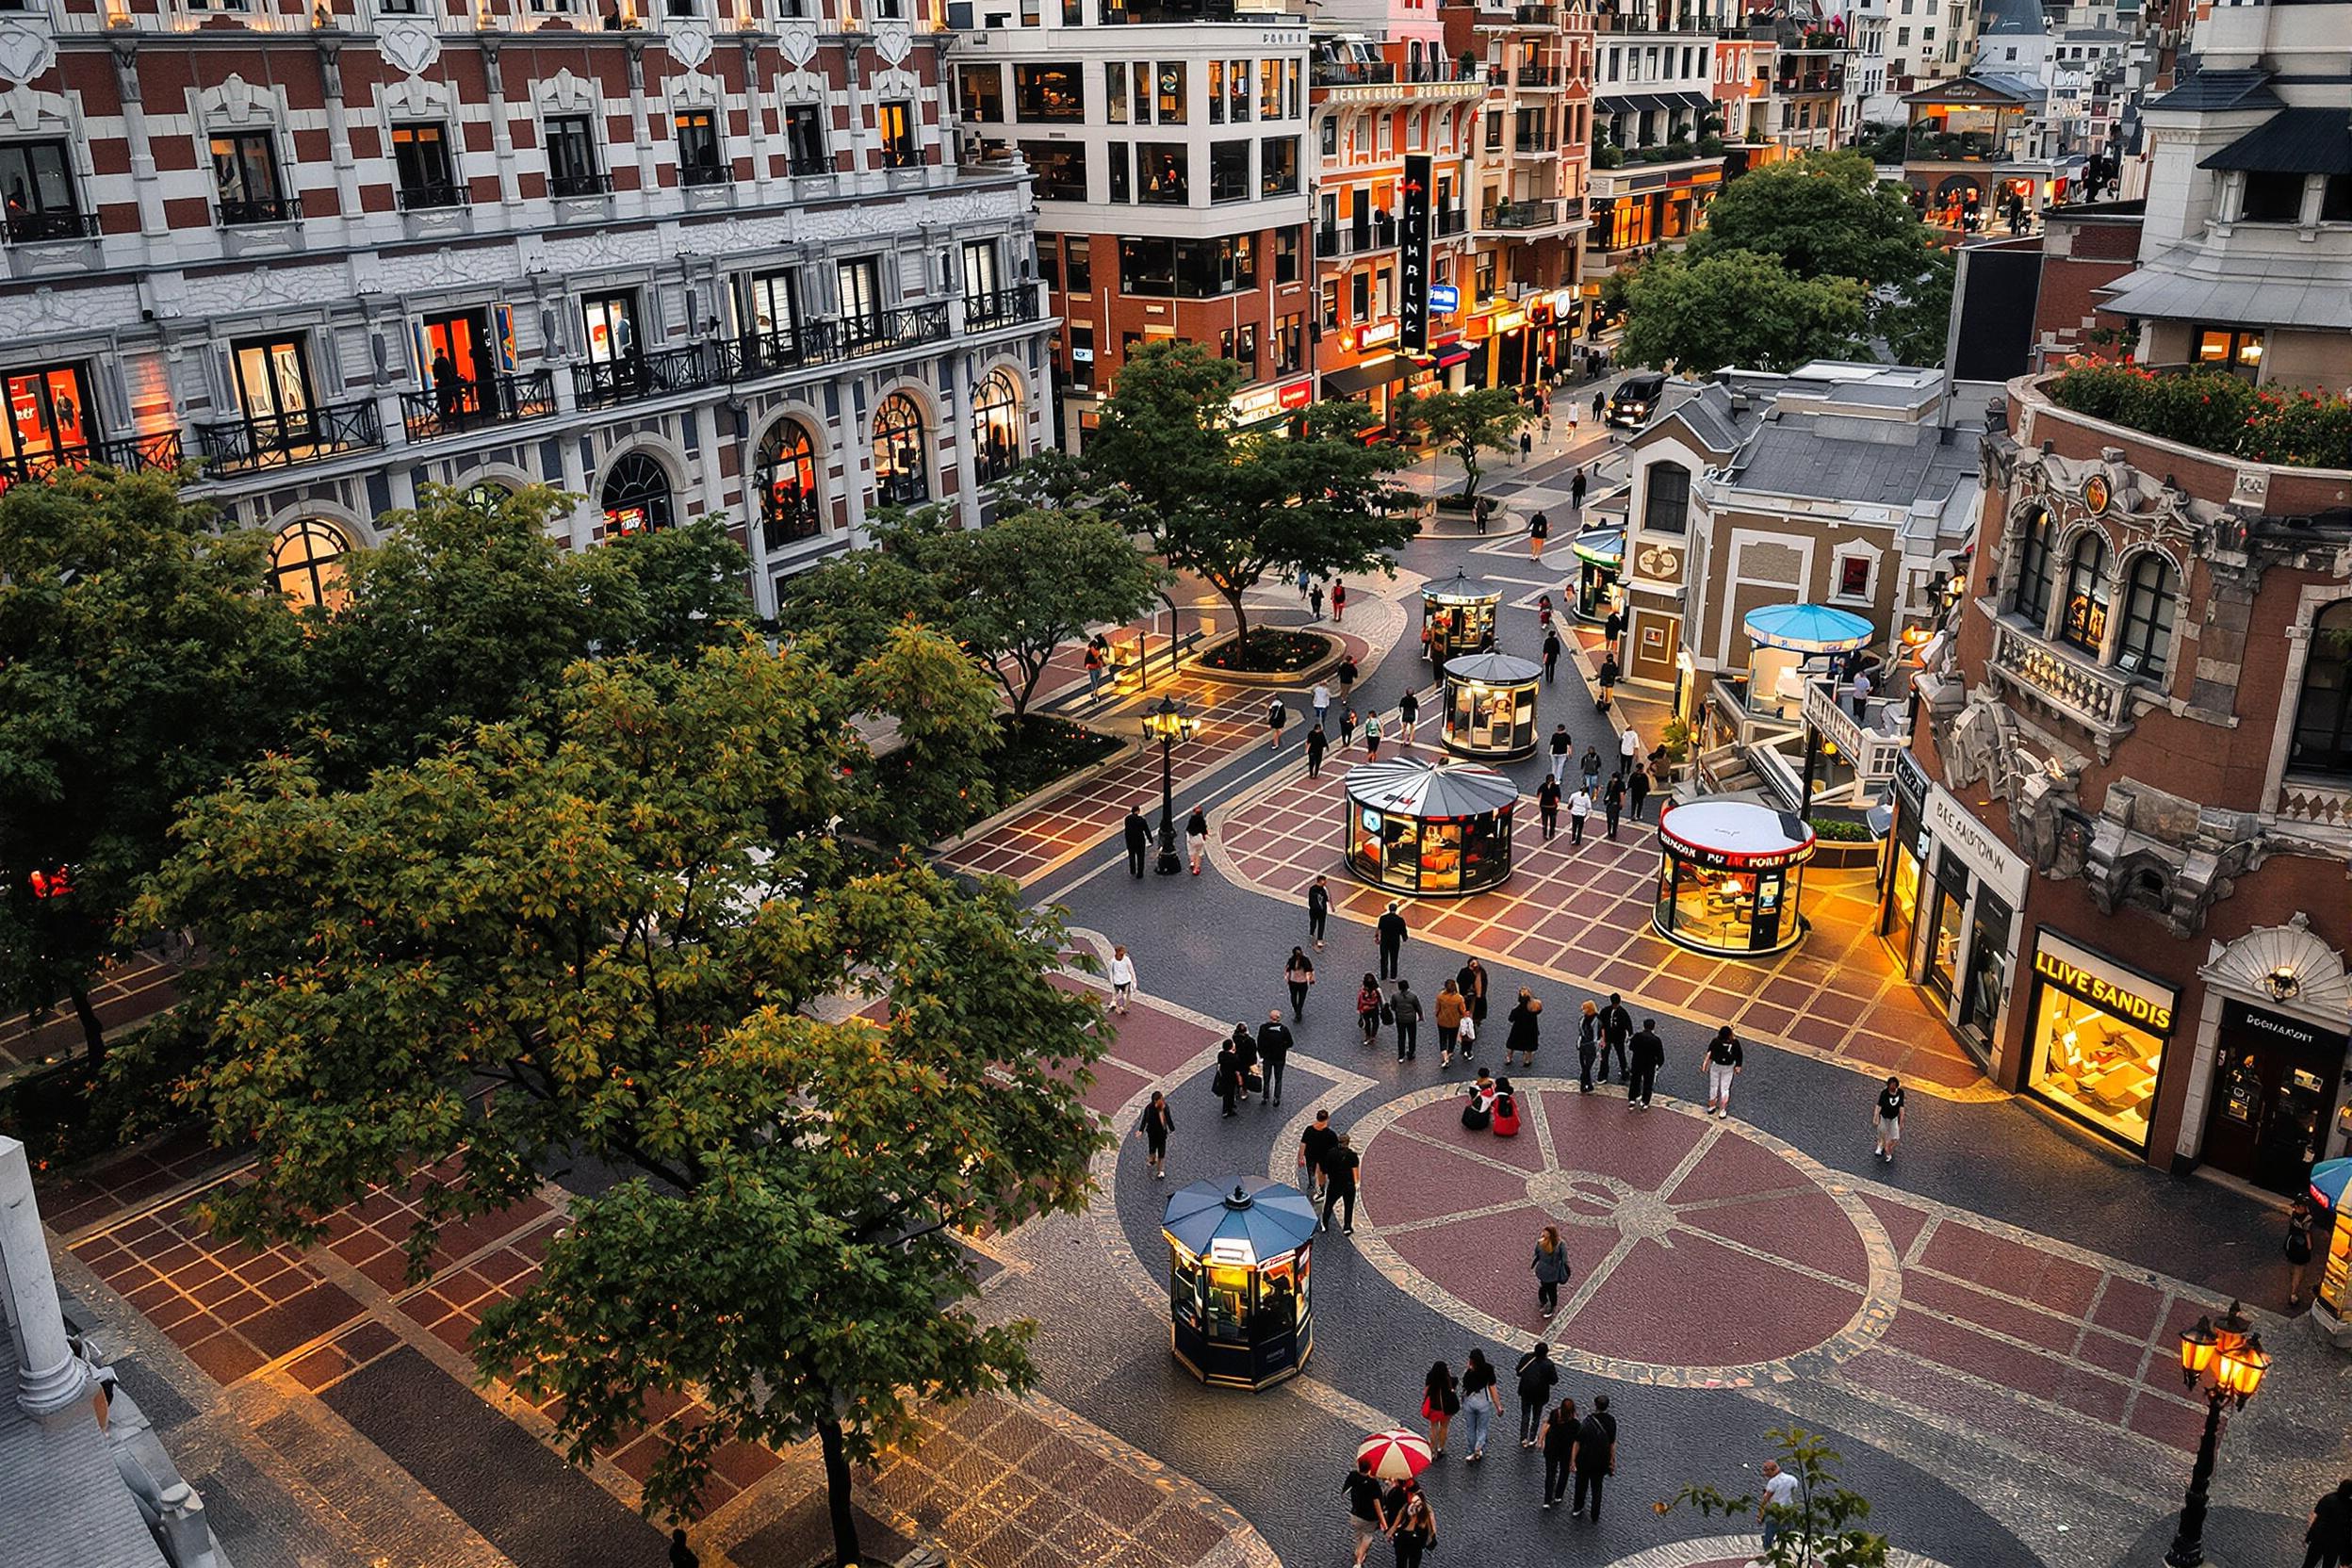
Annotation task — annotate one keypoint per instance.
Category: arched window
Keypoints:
(306, 564)
(790, 509)
(636, 494)
(2085, 622)
(995, 427)
(486, 496)
(2148, 605)
(2036, 568)
(902, 468)
(2323, 713)
(1667, 503)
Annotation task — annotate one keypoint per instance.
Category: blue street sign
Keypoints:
(1444, 298)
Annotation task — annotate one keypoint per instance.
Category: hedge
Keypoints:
(2215, 411)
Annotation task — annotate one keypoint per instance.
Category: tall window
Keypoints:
(48, 414)
(698, 160)
(1163, 168)
(804, 138)
(902, 468)
(2084, 625)
(1229, 171)
(2036, 568)
(1278, 166)
(995, 427)
(2148, 605)
(245, 171)
(421, 161)
(37, 184)
(788, 505)
(860, 283)
(896, 122)
(1049, 93)
(610, 322)
(776, 304)
(2322, 711)
(636, 495)
(306, 564)
(572, 156)
(1666, 508)
(1057, 169)
(981, 91)
(982, 281)
(272, 381)
(1170, 92)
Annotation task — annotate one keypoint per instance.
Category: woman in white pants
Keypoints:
(1723, 1061)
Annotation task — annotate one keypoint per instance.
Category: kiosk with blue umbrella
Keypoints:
(1237, 1279)
(1786, 638)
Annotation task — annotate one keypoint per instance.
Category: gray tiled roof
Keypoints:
(1866, 461)
(62, 1502)
(2246, 89)
(2292, 141)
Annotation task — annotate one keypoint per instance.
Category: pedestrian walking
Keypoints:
(1600, 405)
(1589, 766)
(2299, 1248)
(1440, 1401)
(1094, 672)
(1365, 1514)
(1481, 1402)
(1547, 427)
(1138, 834)
(1575, 490)
(1340, 1167)
(1522, 1037)
(2328, 1538)
(1561, 745)
(1316, 745)
(681, 1555)
(1277, 715)
(1616, 1031)
(1649, 1054)
(1551, 656)
(1153, 1129)
(1723, 1060)
(1861, 694)
(1526, 445)
(1274, 1043)
(1246, 1064)
(1408, 719)
(1613, 801)
(1539, 529)
(1773, 1507)
(1346, 727)
(1315, 602)
(1318, 910)
(1551, 1272)
(1538, 1373)
(1579, 808)
(1197, 837)
(1393, 933)
(1547, 806)
(1372, 738)
(1889, 1118)
(1543, 612)
(1318, 1140)
(1339, 607)
(1588, 1046)
(1321, 702)
(1575, 423)
(1121, 971)
(1305, 577)
(1413, 1530)
(1612, 628)
(1596, 1455)
(1448, 1009)
(1560, 1450)
(1607, 674)
(1347, 677)
(1226, 1083)
(1298, 974)
(1628, 749)
(1368, 1005)
(1473, 978)
(1404, 1010)
(1638, 789)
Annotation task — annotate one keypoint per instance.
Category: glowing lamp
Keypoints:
(2197, 1350)
(2239, 1371)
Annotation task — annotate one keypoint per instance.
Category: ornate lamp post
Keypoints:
(1168, 722)
(2226, 1362)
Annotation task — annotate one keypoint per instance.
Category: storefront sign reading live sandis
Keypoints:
(2087, 975)
(1413, 265)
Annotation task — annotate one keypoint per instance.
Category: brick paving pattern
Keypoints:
(127, 991)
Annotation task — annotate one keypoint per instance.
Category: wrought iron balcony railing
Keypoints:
(238, 445)
(498, 399)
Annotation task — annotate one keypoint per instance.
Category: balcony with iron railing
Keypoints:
(230, 214)
(1810, 81)
(703, 175)
(1512, 217)
(130, 453)
(637, 376)
(1502, 17)
(755, 355)
(430, 198)
(30, 228)
(498, 400)
(1356, 240)
(1003, 307)
(808, 166)
(595, 184)
(1539, 75)
(242, 443)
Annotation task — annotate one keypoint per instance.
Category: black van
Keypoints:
(1636, 399)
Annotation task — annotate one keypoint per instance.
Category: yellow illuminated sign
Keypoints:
(2150, 1014)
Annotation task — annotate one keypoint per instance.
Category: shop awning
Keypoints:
(1692, 101)
(1603, 546)
(1451, 354)
(1347, 381)
(1247, 1222)
(1462, 588)
(1492, 669)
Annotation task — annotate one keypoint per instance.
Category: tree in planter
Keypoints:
(143, 659)
(1738, 309)
(596, 938)
(1229, 506)
(1822, 1525)
(1481, 419)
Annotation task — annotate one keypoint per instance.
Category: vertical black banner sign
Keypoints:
(1413, 272)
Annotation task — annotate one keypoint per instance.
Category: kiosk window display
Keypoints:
(1490, 704)
(1239, 1299)
(1457, 617)
(1600, 562)
(2095, 1037)
(1732, 879)
(1432, 832)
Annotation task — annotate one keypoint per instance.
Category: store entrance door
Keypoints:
(2277, 1087)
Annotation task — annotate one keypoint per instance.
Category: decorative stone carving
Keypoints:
(690, 44)
(411, 47)
(25, 51)
(797, 42)
(2271, 957)
(2158, 852)
(893, 42)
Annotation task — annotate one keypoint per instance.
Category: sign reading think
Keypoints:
(1412, 266)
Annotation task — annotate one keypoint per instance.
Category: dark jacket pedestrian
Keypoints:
(1607, 674)
(1227, 1084)
(1274, 1043)
(2328, 1538)
(681, 1555)
(1591, 764)
(1347, 677)
(1139, 833)
(1560, 1450)
(1538, 1376)
(1613, 798)
(1340, 1167)
(1317, 743)
(1522, 1035)
(1596, 1457)
(1561, 747)
(1318, 1140)
(1575, 491)
(1588, 1046)
(1277, 715)
(1616, 1030)
(1246, 1054)
(1649, 1054)
(1552, 1271)
(1393, 933)
(1158, 1122)
(1472, 980)
(1404, 1008)
(1551, 656)
(1318, 910)
(1548, 804)
(1638, 790)
(1613, 627)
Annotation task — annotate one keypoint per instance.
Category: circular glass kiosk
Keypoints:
(1237, 1279)
(1432, 832)
(1490, 704)
(1600, 555)
(1457, 617)
(1733, 877)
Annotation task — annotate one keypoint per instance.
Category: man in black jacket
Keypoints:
(1274, 1044)
(1139, 839)
(1649, 1054)
(1392, 930)
(1616, 1030)
(1596, 1455)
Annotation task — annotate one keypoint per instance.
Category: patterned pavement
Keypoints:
(127, 991)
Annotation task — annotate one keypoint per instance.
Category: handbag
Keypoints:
(1388, 1013)
(1255, 1083)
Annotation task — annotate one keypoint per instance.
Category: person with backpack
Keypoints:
(1538, 1374)
(1590, 764)
(1560, 1451)
(1277, 715)
(1596, 1455)
(1153, 1129)
(1505, 1122)
(1724, 1061)
(1551, 1272)
(1649, 1054)
(1889, 1118)
(1364, 1512)
(1372, 737)
(1523, 1036)
(1477, 1109)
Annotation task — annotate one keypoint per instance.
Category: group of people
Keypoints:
(1629, 788)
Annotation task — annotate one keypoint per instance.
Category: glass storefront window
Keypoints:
(2095, 1040)
(1943, 951)
(1902, 909)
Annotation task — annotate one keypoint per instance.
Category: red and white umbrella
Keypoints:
(1395, 1456)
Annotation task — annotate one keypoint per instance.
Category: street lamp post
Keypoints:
(1170, 722)
(2226, 1362)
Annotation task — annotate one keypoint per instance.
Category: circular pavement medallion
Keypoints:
(1706, 1255)
(1732, 1551)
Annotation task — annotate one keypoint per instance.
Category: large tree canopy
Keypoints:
(601, 936)
(1230, 505)
(1739, 310)
(1481, 419)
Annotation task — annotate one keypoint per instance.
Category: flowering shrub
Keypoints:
(2213, 410)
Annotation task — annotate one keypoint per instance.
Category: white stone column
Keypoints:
(50, 1378)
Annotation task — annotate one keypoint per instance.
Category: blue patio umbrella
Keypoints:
(1808, 629)
(2328, 1178)
(1253, 1220)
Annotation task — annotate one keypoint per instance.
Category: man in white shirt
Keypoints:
(1322, 704)
(1780, 1491)
(1628, 748)
(1579, 808)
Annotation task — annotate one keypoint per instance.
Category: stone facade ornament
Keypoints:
(25, 51)
(690, 44)
(410, 47)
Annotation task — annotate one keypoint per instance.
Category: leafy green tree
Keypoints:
(1821, 1528)
(143, 659)
(1822, 215)
(1229, 506)
(601, 935)
(1738, 309)
(1481, 419)
(1915, 319)
(933, 775)
(846, 610)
